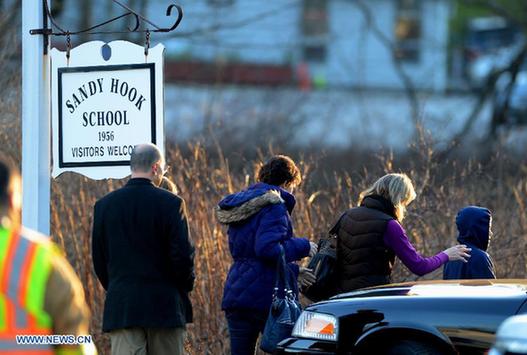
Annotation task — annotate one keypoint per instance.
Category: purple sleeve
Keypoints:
(396, 239)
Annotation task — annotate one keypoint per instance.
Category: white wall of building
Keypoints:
(358, 58)
(269, 32)
(250, 30)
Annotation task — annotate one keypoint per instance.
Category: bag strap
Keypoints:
(281, 274)
(335, 229)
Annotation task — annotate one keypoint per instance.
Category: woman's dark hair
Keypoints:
(280, 170)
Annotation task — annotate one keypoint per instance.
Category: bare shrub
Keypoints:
(332, 182)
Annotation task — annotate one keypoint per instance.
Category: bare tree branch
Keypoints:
(235, 24)
(10, 16)
(408, 84)
(500, 116)
(488, 90)
(490, 84)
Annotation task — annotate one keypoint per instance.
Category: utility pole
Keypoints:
(36, 152)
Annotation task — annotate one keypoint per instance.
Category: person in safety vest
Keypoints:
(42, 305)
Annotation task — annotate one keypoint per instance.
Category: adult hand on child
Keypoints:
(458, 252)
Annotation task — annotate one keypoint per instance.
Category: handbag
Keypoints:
(284, 310)
(324, 265)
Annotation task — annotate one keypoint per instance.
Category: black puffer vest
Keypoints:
(362, 258)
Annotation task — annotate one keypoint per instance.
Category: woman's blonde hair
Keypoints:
(397, 188)
(168, 184)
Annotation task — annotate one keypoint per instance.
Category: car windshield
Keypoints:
(492, 38)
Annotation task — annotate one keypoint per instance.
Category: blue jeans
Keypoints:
(244, 328)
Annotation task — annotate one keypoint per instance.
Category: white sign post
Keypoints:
(105, 99)
(35, 121)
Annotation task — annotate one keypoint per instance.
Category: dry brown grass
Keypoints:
(204, 176)
(202, 182)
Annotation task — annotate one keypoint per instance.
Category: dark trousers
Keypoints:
(244, 328)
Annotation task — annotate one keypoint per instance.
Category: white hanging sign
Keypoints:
(105, 99)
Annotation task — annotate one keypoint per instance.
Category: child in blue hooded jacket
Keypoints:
(474, 226)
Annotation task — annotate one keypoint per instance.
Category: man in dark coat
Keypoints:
(474, 226)
(144, 259)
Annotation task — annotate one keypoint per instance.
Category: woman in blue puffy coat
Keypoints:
(259, 220)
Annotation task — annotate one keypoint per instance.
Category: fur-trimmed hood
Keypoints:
(244, 204)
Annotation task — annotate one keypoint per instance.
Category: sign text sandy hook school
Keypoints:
(103, 105)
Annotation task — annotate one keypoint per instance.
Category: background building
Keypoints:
(323, 43)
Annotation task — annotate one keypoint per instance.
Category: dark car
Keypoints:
(430, 317)
(511, 337)
(490, 45)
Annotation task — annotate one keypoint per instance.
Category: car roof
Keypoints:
(514, 328)
(487, 23)
(450, 288)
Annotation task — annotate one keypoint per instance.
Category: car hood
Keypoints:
(444, 289)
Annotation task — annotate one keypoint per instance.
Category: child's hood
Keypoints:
(473, 224)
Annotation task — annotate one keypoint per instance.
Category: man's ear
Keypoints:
(10, 200)
(14, 196)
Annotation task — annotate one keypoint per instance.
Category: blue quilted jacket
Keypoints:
(258, 221)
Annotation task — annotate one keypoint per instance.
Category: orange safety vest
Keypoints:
(25, 266)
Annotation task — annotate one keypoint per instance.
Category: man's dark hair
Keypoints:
(280, 170)
(143, 157)
(8, 172)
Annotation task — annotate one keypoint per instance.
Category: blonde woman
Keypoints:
(169, 185)
(370, 236)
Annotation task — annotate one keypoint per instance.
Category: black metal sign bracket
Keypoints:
(148, 26)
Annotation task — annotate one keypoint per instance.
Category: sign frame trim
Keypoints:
(96, 68)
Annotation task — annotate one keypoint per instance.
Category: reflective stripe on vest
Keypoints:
(24, 270)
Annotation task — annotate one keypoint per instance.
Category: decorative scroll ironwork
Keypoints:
(57, 30)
